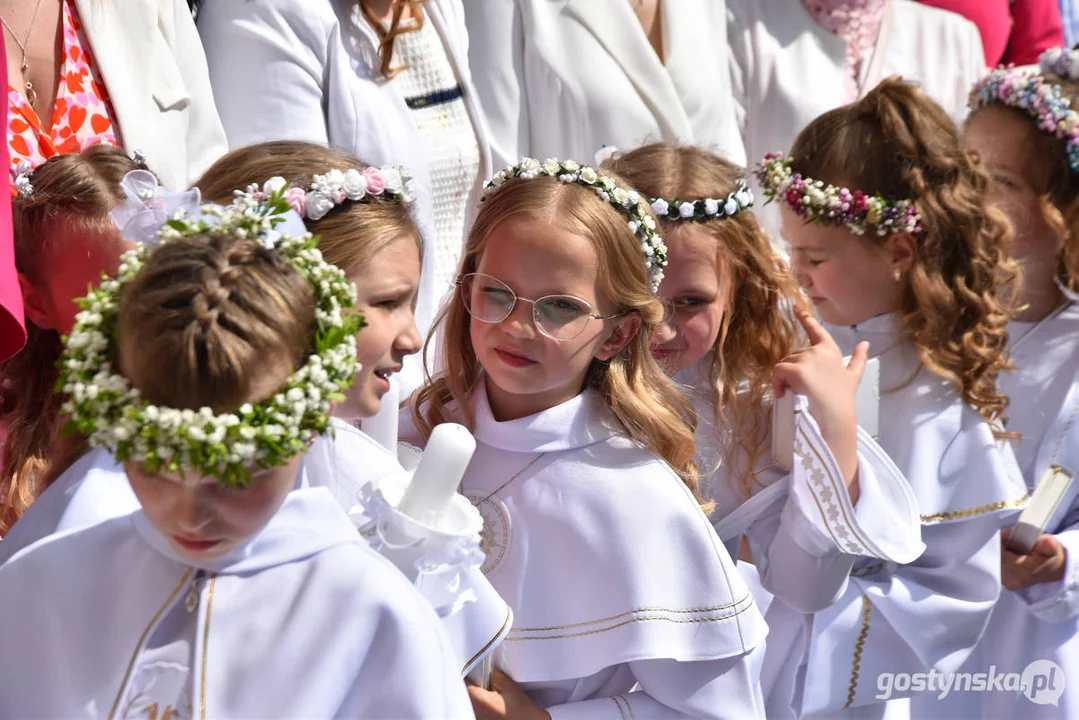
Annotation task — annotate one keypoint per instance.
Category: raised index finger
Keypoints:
(815, 332)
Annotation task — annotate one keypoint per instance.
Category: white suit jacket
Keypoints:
(563, 78)
(151, 60)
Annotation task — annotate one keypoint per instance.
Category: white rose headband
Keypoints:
(705, 209)
(336, 187)
(1025, 90)
(628, 202)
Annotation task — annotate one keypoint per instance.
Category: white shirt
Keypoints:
(625, 602)
(565, 78)
(336, 629)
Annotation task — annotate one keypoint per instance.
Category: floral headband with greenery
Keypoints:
(705, 209)
(1025, 90)
(628, 202)
(105, 408)
(815, 202)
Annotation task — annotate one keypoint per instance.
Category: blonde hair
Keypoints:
(755, 332)
(73, 195)
(646, 402)
(351, 233)
(897, 142)
(208, 319)
(1049, 174)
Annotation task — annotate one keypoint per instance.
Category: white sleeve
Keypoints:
(928, 615)
(1058, 601)
(496, 58)
(727, 689)
(205, 136)
(740, 61)
(267, 61)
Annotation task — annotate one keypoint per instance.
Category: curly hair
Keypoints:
(1050, 175)
(756, 332)
(648, 404)
(897, 142)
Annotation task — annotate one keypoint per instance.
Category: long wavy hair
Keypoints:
(897, 142)
(757, 330)
(648, 405)
(1051, 176)
(73, 195)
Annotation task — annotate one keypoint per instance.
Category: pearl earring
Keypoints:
(898, 275)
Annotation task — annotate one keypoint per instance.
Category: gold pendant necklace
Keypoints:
(31, 93)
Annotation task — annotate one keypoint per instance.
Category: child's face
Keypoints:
(386, 293)
(73, 267)
(849, 278)
(1002, 139)
(201, 518)
(527, 371)
(694, 291)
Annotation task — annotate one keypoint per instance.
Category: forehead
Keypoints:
(539, 256)
(1000, 135)
(811, 236)
(693, 255)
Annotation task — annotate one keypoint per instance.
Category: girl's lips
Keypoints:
(195, 545)
(513, 358)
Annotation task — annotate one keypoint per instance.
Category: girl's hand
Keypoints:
(818, 373)
(504, 701)
(1047, 562)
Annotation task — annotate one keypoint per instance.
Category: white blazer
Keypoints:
(152, 63)
(563, 78)
(786, 70)
(308, 70)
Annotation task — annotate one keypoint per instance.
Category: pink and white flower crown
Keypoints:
(336, 187)
(815, 202)
(1025, 89)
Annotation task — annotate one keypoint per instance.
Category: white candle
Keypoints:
(382, 426)
(433, 485)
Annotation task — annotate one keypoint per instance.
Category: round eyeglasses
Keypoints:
(559, 317)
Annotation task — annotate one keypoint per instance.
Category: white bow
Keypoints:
(149, 206)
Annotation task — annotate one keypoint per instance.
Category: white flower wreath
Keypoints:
(629, 202)
(704, 209)
(110, 413)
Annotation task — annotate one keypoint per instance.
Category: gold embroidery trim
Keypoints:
(142, 640)
(206, 643)
(564, 636)
(859, 646)
(851, 525)
(956, 514)
(736, 603)
(485, 648)
(621, 711)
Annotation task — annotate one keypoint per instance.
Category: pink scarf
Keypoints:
(858, 23)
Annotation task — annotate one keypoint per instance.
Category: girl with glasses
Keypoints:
(625, 602)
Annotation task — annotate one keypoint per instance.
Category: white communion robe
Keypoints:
(625, 602)
(786, 69)
(1040, 622)
(924, 616)
(802, 529)
(305, 620)
(96, 489)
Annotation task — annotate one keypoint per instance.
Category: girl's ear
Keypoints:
(626, 329)
(33, 303)
(904, 251)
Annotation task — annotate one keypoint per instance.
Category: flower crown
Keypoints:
(628, 202)
(110, 413)
(815, 202)
(337, 187)
(1024, 89)
(706, 209)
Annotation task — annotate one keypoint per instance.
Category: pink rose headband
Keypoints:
(336, 187)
